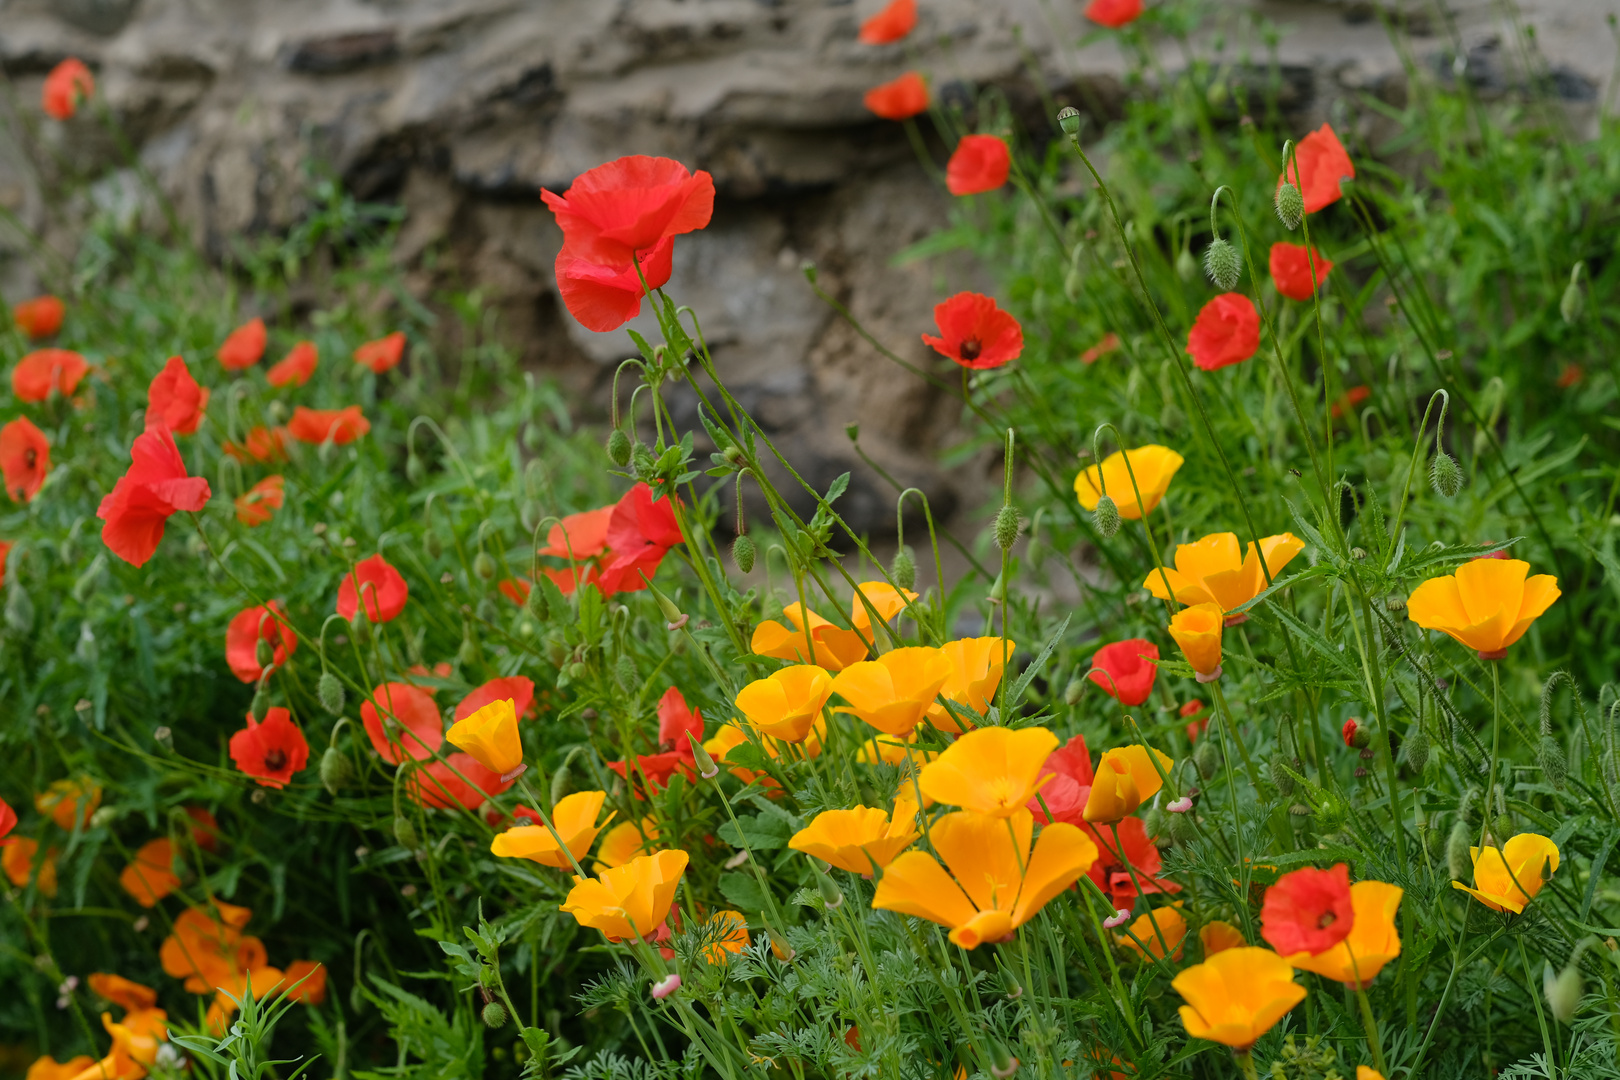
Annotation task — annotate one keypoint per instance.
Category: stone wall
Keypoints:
(461, 110)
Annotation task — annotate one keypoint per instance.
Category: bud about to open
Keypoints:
(904, 568)
(1445, 475)
(1106, 516)
(1290, 206)
(743, 553)
(1008, 525)
(1223, 264)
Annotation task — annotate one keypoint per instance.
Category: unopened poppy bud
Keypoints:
(164, 737)
(359, 623)
(483, 565)
(1182, 828)
(1207, 758)
(537, 605)
(1505, 827)
(494, 1015)
(1008, 525)
(431, 544)
(1186, 265)
(1458, 863)
(1002, 1062)
(1554, 765)
(666, 986)
(1074, 691)
(903, 570)
(618, 447)
(1222, 263)
(1290, 206)
(742, 553)
(1280, 778)
(1106, 516)
(1573, 303)
(415, 471)
(264, 653)
(1445, 474)
(779, 945)
(1417, 748)
(624, 669)
(405, 833)
(665, 604)
(261, 702)
(330, 692)
(562, 782)
(1069, 120)
(852, 431)
(577, 670)
(1357, 735)
(1563, 990)
(831, 896)
(467, 654)
(705, 762)
(336, 771)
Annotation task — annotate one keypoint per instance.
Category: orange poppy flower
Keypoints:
(894, 692)
(1372, 942)
(296, 367)
(45, 370)
(206, 949)
(860, 839)
(151, 877)
(899, 99)
(67, 802)
(132, 996)
(1509, 877)
(17, 857)
(1486, 605)
(891, 24)
(1125, 778)
(1323, 162)
(8, 816)
(991, 770)
(1155, 930)
(383, 354)
(243, 346)
(1152, 465)
(316, 426)
(490, 734)
(259, 503)
(1215, 570)
(833, 648)
(788, 703)
(262, 445)
(25, 457)
(40, 317)
(977, 664)
(68, 84)
(1237, 995)
(574, 818)
(174, 400)
(1218, 936)
(306, 982)
(628, 901)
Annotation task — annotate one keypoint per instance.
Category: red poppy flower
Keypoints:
(899, 99)
(262, 445)
(1322, 162)
(1291, 269)
(1349, 400)
(8, 819)
(975, 332)
(243, 346)
(891, 24)
(1226, 332)
(259, 503)
(69, 83)
(629, 206)
(414, 729)
(1108, 344)
(1571, 374)
(1194, 728)
(25, 456)
(154, 487)
(381, 355)
(383, 587)
(204, 829)
(1308, 910)
(979, 163)
(272, 750)
(250, 626)
(1352, 725)
(579, 536)
(517, 689)
(675, 722)
(5, 553)
(604, 298)
(1113, 13)
(440, 787)
(1067, 777)
(40, 317)
(639, 534)
(342, 426)
(515, 589)
(296, 367)
(44, 370)
(1112, 874)
(1123, 673)
(174, 400)
(570, 578)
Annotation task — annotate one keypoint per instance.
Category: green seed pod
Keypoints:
(337, 773)
(1416, 748)
(624, 670)
(1458, 863)
(415, 471)
(1074, 691)
(1069, 120)
(743, 552)
(1573, 303)
(1223, 264)
(1008, 526)
(904, 568)
(484, 565)
(19, 608)
(1563, 990)
(537, 605)
(577, 670)
(405, 833)
(1281, 779)
(330, 692)
(467, 654)
(1290, 205)
(1207, 758)
(618, 448)
(1186, 265)
(1445, 474)
(264, 653)
(1106, 516)
(1554, 765)
(494, 1015)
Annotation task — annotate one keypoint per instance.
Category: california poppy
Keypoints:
(859, 839)
(270, 750)
(975, 332)
(1308, 911)
(894, 692)
(1226, 332)
(1291, 269)
(69, 83)
(17, 859)
(1126, 777)
(140, 504)
(459, 778)
(621, 210)
(785, 704)
(413, 730)
(385, 591)
(207, 947)
(262, 444)
(1152, 466)
(45, 370)
(250, 626)
(976, 669)
(1113, 13)
(812, 639)
(1126, 670)
(243, 346)
(640, 533)
(1197, 631)
(1372, 942)
(204, 828)
(678, 725)
(490, 734)
(46, 1067)
(1322, 162)
(40, 317)
(69, 802)
(575, 820)
(979, 163)
(306, 982)
(1486, 605)
(1237, 995)
(25, 457)
(604, 298)
(121, 991)
(894, 22)
(383, 354)
(628, 901)
(315, 426)
(295, 368)
(989, 770)
(150, 875)
(1219, 935)
(1155, 931)
(519, 689)
(174, 400)
(1507, 878)
(898, 99)
(259, 503)
(1210, 571)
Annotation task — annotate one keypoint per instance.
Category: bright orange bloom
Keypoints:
(151, 877)
(977, 664)
(43, 371)
(631, 900)
(490, 734)
(787, 703)
(624, 842)
(1215, 570)
(1154, 467)
(1237, 995)
(1155, 930)
(990, 770)
(894, 692)
(1373, 940)
(259, 503)
(891, 24)
(61, 802)
(860, 839)
(262, 981)
(899, 99)
(1218, 936)
(48, 1068)
(25, 458)
(1487, 604)
(68, 84)
(305, 981)
(207, 952)
(833, 648)
(174, 400)
(262, 445)
(730, 736)
(121, 991)
(1509, 877)
(383, 354)
(1124, 780)
(17, 857)
(575, 820)
(132, 1054)
(1197, 630)
(729, 934)
(296, 367)
(1323, 162)
(40, 317)
(244, 346)
(884, 598)
(316, 426)
(995, 884)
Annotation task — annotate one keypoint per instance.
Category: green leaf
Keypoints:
(1015, 694)
(758, 833)
(743, 891)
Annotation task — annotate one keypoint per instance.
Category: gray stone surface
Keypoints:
(461, 110)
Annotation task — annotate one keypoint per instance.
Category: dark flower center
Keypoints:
(1327, 920)
(275, 760)
(971, 348)
(30, 456)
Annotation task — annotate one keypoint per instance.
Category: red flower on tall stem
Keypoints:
(25, 457)
(259, 503)
(382, 586)
(1070, 778)
(898, 99)
(1291, 269)
(262, 444)
(250, 626)
(296, 367)
(1308, 910)
(412, 729)
(979, 163)
(604, 298)
(437, 785)
(1113, 13)
(174, 400)
(383, 354)
(1126, 863)
(518, 689)
(1323, 162)
(676, 721)
(975, 332)
(315, 426)
(40, 317)
(640, 533)
(627, 207)
(579, 536)
(891, 24)
(1125, 670)
(68, 84)
(272, 750)
(156, 486)
(1226, 332)
(8, 819)
(45, 370)
(243, 346)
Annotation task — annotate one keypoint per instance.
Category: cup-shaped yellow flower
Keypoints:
(624, 842)
(990, 770)
(491, 736)
(1215, 570)
(1373, 940)
(574, 818)
(730, 736)
(1507, 878)
(1197, 630)
(1156, 930)
(976, 667)
(857, 840)
(830, 647)
(787, 703)
(1154, 466)
(628, 901)
(994, 884)
(894, 692)
(1124, 779)
(887, 600)
(1218, 936)
(1237, 995)
(1487, 604)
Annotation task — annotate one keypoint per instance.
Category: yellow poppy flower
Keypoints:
(131, 1055)
(730, 736)
(574, 818)
(1373, 940)
(786, 704)
(48, 1068)
(894, 692)
(1236, 996)
(1215, 571)
(991, 770)
(628, 901)
(976, 667)
(1166, 923)
(1125, 778)
(1487, 604)
(888, 600)
(624, 842)
(995, 882)
(1507, 878)
(728, 933)
(1197, 631)
(491, 736)
(832, 647)
(1219, 935)
(1154, 466)
(858, 839)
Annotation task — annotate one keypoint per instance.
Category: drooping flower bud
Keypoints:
(1417, 748)
(1290, 205)
(1573, 303)
(1074, 691)
(330, 692)
(494, 1015)
(618, 447)
(484, 565)
(1002, 1062)
(264, 653)
(1069, 120)
(1554, 765)
(1281, 779)
(1445, 474)
(431, 544)
(415, 471)
(831, 896)
(1563, 990)
(337, 772)
(624, 669)
(1458, 863)
(1008, 525)
(1186, 265)
(1183, 830)
(1357, 736)
(405, 833)
(537, 604)
(1106, 516)
(261, 702)
(742, 553)
(903, 570)
(1207, 758)
(1222, 263)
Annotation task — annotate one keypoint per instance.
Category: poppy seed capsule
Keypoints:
(618, 447)
(742, 553)
(1445, 475)
(330, 692)
(1069, 120)
(336, 771)
(1008, 526)
(1106, 516)
(1223, 264)
(1290, 205)
(494, 1015)
(904, 568)
(483, 565)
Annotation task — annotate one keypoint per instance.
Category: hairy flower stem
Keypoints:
(1231, 726)
(1496, 747)
(1541, 1017)
(1370, 1023)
